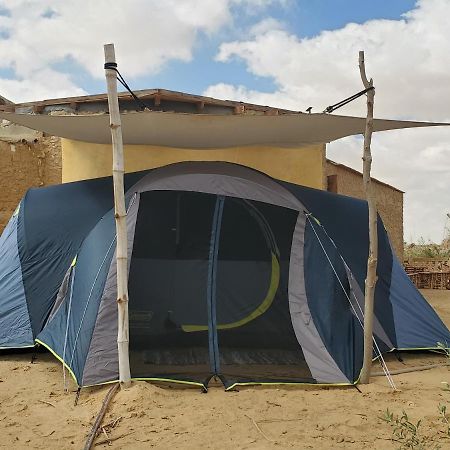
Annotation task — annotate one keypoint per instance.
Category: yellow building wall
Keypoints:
(303, 165)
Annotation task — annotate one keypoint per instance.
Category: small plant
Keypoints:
(405, 432)
(444, 349)
(443, 413)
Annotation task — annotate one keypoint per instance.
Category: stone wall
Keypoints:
(346, 181)
(23, 165)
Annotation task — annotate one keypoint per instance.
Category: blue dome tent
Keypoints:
(231, 274)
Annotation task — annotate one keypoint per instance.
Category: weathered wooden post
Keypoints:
(371, 278)
(120, 215)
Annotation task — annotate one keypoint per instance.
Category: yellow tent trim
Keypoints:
(104, 383)
(166, 380)
(418, 348)
(21, 346)
(74, 261)
(170, 380)
(261, 309)
(59, 359)
(16, 211)
(316, 220)
(290, 383)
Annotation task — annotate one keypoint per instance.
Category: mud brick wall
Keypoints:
(24, 165)
(346, 181)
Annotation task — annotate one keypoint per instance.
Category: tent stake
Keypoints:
(120, 215)
(371, 278)
(77, 396)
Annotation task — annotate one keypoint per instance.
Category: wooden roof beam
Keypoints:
(239, 109)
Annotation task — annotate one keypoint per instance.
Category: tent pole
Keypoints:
(371, 278)
(120, 216)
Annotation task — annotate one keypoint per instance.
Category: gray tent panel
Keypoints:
(102, 360)
(358, 304)
(16, 327)
(219, 179)
(63, 291)
(323, 367)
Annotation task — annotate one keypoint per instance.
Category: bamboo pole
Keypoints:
(371, 278)
(120, 216)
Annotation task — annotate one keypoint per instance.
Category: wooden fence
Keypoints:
(428, 273)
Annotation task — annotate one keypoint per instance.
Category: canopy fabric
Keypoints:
(206, 131)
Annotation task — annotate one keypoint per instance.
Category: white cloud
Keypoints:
(147, 34)
(409, 60)
(45, 83)
(264, 26)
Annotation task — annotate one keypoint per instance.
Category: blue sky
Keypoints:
(304, 18)
(283, 53)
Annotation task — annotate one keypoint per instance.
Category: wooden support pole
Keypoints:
(371, 278)
(120, 215)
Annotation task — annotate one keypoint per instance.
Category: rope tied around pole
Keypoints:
(113, 66)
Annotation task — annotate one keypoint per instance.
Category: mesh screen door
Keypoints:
(209, 290)
(168, 284)
(256, 339)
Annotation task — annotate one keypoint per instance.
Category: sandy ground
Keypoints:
(36, 413)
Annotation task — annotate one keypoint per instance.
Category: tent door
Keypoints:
(169, 286)
(208, 290)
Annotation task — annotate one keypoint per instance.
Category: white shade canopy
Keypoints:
(203, 131)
